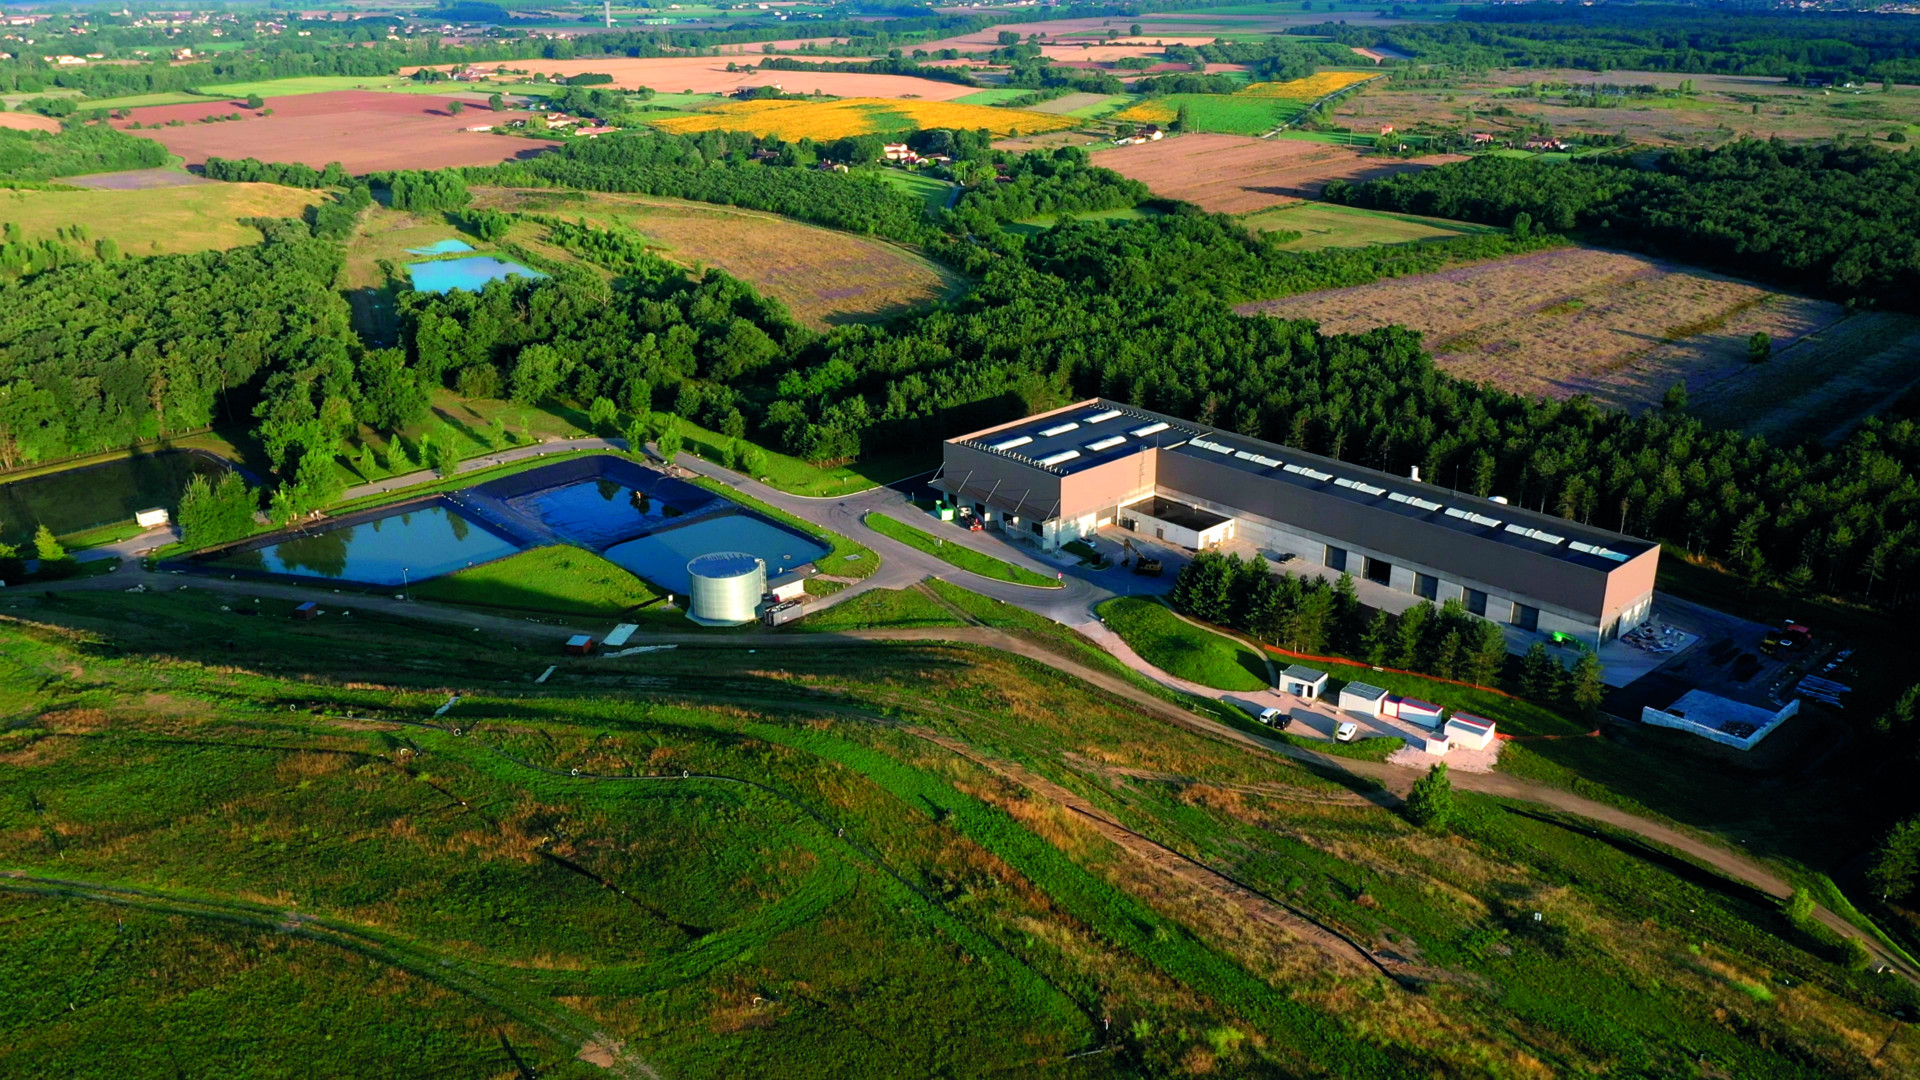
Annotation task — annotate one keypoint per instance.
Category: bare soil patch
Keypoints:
(1620, 328)
(709, 75)
(362, 130)
(24, 121)
(137, 180)
(825, 277)
(1234, 174)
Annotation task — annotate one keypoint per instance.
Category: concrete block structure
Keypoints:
(1303, 682)
(1098, 464)
(1359, 697)
(1468, 732)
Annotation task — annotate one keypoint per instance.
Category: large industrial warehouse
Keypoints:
(1098, 464)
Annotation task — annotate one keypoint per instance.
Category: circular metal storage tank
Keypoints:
(726, 587)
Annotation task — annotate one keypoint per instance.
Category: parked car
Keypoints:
(1274, 718)
(1346, 731)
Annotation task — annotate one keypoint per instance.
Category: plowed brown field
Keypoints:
(1234, 174)
(363, 131)
(1623, 328)
(709, 75)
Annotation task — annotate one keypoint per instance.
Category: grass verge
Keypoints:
(958, 555)
(1181, 649)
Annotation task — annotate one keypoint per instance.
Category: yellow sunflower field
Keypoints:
(823, 120)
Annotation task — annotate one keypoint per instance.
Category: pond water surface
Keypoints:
(472, 273)
(411, 546)
(662, 557)
(98, 494)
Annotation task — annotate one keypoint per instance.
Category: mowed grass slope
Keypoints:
(944, 913)
(559, 579)
(157, 221)
(952, 551)
(1182, 649)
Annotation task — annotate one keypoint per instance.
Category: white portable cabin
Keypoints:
(1415, 711)
(1435, 745)
(1360, 698)
(791, 585)
(1303, 682)
(147, 519)
(1469, 732)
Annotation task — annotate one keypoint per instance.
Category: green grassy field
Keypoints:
(881, 608)
(1181, 649)
(1232, 114)
(993, 96)
(1326, 225)
(935, 193)
(157, 221)
(958, 554)
(854, 863)
(560, 580)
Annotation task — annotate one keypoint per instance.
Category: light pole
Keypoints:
(405, 586)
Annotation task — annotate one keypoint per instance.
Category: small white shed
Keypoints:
(1304, 682)
(147, 519)
(1415, 711)
(1361, 698)
(791, 585)
(1435, 745)
(1469, 732)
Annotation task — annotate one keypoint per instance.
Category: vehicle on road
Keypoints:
(1346, 731)
(1274, 718)
(1149, 567)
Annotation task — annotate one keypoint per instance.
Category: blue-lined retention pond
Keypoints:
(637, 518)
(662, 556)
(412, 546)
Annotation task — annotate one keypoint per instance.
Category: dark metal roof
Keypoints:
(1454, 511)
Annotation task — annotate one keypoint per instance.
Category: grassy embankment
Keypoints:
(558, 580)
(1182, 649)
(958, 554)
(157, 763)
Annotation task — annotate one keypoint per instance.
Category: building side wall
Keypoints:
(1102, 488)
(1546, 581)
(1629, 595)
(1012, 483)
(1311, 548)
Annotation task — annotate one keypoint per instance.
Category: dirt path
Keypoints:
(1378, 782)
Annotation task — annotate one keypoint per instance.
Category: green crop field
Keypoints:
(561, 580)
(993, 96)
(957, 553)
(1181, 649)
(1328, 225)
(232, 838)
(1230, 114)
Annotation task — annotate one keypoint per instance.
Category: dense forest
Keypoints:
(1654, 37)
(1136, 310)
(1840, 221)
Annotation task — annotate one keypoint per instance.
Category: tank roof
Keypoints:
(724, 564)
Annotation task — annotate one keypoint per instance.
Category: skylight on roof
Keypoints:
(1107, 443)
(1595, 549)
(1102, 416)
(1009, 444)
(1477, 519)
(1058, 429)
(1208, 444)
(1150, 429)
(1370, 489)
(1064, 455)
(1541, 535)
(1315, 474)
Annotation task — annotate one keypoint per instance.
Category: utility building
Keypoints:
(1064, 474)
